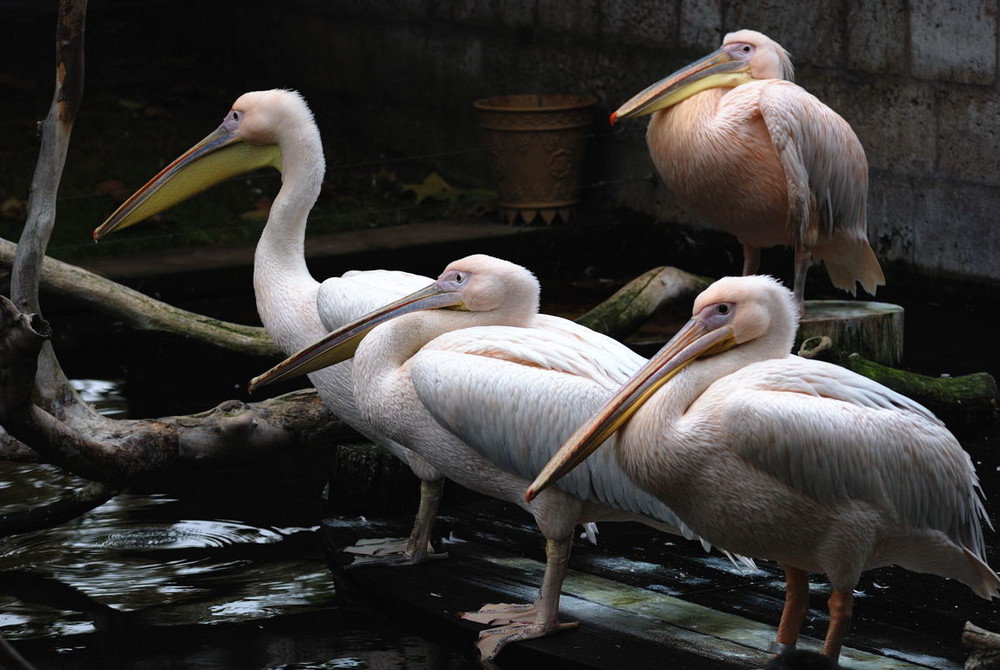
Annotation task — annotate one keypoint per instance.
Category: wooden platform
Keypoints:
(645, 599)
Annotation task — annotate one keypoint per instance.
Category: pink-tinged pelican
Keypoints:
(486, 389)
(778, 457)
(760, 157)
(276, 129)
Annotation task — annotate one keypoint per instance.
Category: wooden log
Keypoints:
(983, 645)
(872, 329)
(965, 403)
(633, 304)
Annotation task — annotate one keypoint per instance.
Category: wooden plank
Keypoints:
(694, 625)
(620, 623)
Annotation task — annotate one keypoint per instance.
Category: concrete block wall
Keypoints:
(917, 79)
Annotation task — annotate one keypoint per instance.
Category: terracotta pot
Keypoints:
(536, 144)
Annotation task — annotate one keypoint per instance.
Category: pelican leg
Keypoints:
(794, 611)
(803, 258)
(412, 550)
(751, 259)
(527, 622)
(840, 604)
(419, 543)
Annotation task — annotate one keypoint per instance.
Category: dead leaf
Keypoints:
(154, 112)
(14, 208)
(114, 188)
(10, 81)
(261, 210)
(133, 105)
(435, 187)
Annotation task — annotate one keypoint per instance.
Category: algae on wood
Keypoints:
(964, 403)
(633, 304)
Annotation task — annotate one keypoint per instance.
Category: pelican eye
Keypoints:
(723, 308)
(235, 116)
(459, 278)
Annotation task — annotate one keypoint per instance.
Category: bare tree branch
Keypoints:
(56, 129)
(143, 312)
(618, 316)
(117, 452)
(9, 658)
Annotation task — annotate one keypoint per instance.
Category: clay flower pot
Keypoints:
(536, 145)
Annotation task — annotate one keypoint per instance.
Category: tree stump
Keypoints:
(872, 329)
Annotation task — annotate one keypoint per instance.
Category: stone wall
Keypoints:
(917, 79)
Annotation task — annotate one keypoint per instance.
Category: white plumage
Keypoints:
(486, 391)
(276, 128)
(802, 462)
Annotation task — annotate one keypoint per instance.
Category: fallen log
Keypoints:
(966, 403)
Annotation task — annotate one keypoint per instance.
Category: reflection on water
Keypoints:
(233, 548)
(124, 556)
(103, 395)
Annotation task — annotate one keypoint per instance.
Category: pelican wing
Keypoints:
(358, 292)
(822, 158)
(516, 402)
(868, 443)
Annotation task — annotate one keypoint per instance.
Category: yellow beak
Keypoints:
(216, 158)
(718, 69)
(341, 344)
(691, 342)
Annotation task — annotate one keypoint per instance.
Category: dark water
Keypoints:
(223, 568)
(214, 568)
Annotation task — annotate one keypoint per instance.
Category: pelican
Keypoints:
(276, 129)
(468, 374)
(760, 157)
(777, 457)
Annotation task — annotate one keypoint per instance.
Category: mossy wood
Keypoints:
(964, 403)
(633, 304)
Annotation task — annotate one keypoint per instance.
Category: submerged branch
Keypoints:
(66, 507)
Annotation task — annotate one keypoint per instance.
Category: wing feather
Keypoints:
(553, 343)
(518, 414)
(822, 157)
(355, 293)
(868, 442)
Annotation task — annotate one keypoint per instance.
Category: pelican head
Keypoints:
(753, 312)
(250, 137)
(493, 291)
(745, 55)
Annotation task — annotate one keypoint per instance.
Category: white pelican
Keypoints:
(486, 389)
(276, 128)
(760, 157)
(778, 457)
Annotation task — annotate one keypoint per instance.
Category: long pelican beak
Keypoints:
(221, 155)
(691, 342)
(718, 69)
(341, 344)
